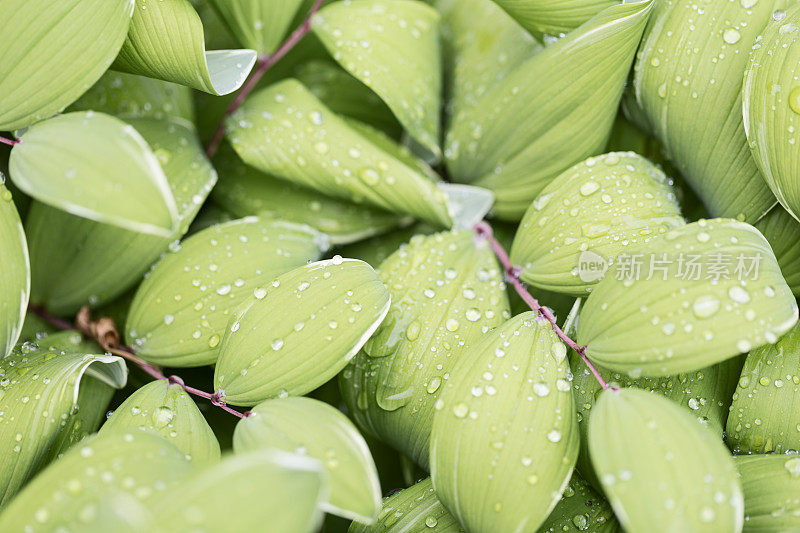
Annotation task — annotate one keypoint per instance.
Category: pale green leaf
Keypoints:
(771, 484)
(246, 191)
(660, 469)
(771, 105)
(552, 111)
(325, 434)
(99, 486)
(392, 46)
(53, 52)
(259, 24)
(287, 132)
(413, 509)
(505, 436)
(328, 311)
(587, 216)
(129, 96)
(44, 384)
(781, 231)
(765, 414)
(687, 84)
(581, 508)
(95, 166)
(78, 261)
(554, 16)
(165, 408)
(180, 311)
(15, 283)
(166, 41)
(700, 294)
(447, 291)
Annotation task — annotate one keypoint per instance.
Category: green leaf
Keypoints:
(505, 436)
(53, 52)
(166, 409)
(15, 283)
(553, 16)
(765, 414)
(325, 434)
(180, 311)
(166, 41)
(687, 85)
(770, 484)
(590, 214)
(376, 250)
(552, 111)
(482, 44)
(581, 509)
(660, 468)
(247, 492)
(700, 294)
(44, 384)
(130, 96)
(328, 311)
(447, 292)
(66, 162)
(285, 131)
(132, 470)
(392, 46)
(781, 230)
(78, 261)
(413, 509)
(259, 24)
(771, 105)
(245, 191)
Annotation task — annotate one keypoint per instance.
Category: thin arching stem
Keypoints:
(10, 142)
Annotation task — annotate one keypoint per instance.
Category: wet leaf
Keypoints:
(659, 466)
(167, 409)
(78, 261)
(765, 414)
(581, 509)
(700, 294)
(590, 214)
(771, 104)
(129, 96)
(507, 416)
(771, 484)
(246, 191)
(687, 86)
(75, 493)
(166, 41)
(180, 311)
(552, 111)
(45, 384)
(781, 230)
(413, 509)
(285, 131)
(447, 292)
(66, 162)
(259, 24)
(328, 311)
(551, 16)
(53, 52)
(325, 434)
(15, 283)
(392, 46)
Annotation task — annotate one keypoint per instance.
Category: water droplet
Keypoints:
(589, 187)
(705, 306)
(731, 36)
(460, 410)
(794, 100)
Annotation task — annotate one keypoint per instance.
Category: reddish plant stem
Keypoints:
(10, 142)
(129, 355)
(265, 62)
(513, 275)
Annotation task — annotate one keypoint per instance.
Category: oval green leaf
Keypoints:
(553, 16)
(770, 484)
(259, 24)
(15, 283)
(781, 230)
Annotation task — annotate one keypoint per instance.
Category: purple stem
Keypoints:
(10, 142)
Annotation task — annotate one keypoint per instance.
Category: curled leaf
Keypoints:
(258, 24)
(770, 484)
(328, 311)
(180, 310)
(507, 414)
(587, 216)
(697, 295)
(658, 465)
(553, 16)
(95, 166)
(15, 283)
(781, 230)
(165, 408)
(166, 41)
(325, 434)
